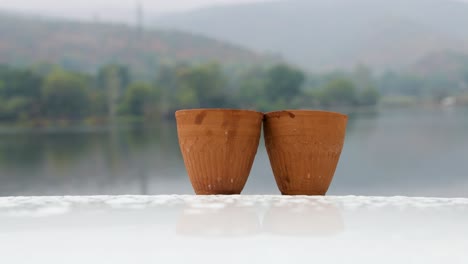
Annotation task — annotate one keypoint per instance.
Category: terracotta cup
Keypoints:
(218, 147)
(304, 148)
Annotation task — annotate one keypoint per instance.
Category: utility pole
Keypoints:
(139, 20)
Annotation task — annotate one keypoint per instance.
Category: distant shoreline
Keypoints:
(102, 124)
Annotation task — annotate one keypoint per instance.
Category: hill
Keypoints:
(328, 34)
(85, 46)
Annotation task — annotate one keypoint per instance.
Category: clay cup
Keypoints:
(304, 147)
(218, 147)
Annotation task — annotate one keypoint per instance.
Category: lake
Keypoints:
(414, 152)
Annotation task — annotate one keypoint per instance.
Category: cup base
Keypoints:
(216, 193)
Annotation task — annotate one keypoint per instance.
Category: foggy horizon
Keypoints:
(121, 11)
(93, 7)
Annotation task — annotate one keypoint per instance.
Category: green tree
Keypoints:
(369, 96)
(283, 83)
(19, 82)
(15, 108)
(111, 82)
(201, 86)
(19, 93)
(141, 99)
(65, 95)
(251, 93)
(43, 68)
(168, 82)
(107, 72)
(341, 92)
(98, 104)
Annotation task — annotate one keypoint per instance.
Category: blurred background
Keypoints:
(88, 89)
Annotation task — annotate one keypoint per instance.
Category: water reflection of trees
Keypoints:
(89, 158)
(137, 158)
(19, 149)
(68, 146)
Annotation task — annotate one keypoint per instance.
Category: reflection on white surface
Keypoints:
(303, 217)
(233, 229)
(213, 218)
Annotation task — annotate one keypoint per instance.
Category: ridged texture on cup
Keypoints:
(218, 147)
(304, 148)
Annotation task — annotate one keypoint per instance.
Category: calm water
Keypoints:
(421, 152)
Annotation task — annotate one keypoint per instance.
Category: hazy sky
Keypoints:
(118, 10)
(107, 10)
(153, 5)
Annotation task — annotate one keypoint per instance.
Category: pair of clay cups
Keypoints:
(219, 147)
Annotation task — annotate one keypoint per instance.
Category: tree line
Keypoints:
(50, 93)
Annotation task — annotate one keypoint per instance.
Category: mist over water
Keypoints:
(415, 152)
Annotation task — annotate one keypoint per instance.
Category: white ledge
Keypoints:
(233, 229)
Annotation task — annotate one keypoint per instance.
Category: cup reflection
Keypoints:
(303, 217)
(211, 218)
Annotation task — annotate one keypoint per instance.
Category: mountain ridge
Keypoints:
(335, 33)
(88, 45)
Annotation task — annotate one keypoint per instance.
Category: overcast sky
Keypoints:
(119, 10)
(107, 10)
(153, 5)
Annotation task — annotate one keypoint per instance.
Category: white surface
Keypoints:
(233, 229)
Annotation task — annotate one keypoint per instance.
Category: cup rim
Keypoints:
(192, 110)
(304, 112)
